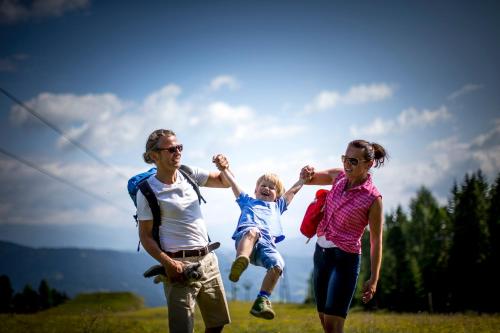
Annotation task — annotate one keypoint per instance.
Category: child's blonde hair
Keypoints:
(274, 179)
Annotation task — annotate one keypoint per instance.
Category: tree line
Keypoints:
(439, 258)
(28, 300)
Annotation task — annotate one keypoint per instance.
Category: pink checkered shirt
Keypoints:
(346, 214)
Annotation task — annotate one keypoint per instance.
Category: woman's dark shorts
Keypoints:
(335, 276)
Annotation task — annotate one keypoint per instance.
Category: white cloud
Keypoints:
(12, 11)
(359, 94)
(64, 109)
(412, 117)
(468, 88)
(377, 127)
(223, 112)
(103, 122)
(224, 81)
(367, 93)
(485, 149)
(408, 118)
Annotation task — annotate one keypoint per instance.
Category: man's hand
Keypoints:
(174, 270)
(220, 162)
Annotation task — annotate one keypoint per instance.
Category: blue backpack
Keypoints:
(139, 183)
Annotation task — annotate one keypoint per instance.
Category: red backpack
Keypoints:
(314, 214)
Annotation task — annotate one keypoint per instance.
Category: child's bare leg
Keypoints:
(246, 244)
(271, 279)
(243, 252)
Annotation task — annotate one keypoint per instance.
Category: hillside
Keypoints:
(77, 271)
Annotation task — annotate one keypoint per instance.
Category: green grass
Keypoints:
(125, 313)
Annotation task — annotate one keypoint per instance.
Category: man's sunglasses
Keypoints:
(352, 160)
(172, 149)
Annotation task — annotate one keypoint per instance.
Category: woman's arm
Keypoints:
(325, 177)
(376, 229)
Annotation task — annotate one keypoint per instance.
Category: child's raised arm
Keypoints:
(290, 194)
(222, 164)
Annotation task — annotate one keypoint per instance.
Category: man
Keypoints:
(183, 236)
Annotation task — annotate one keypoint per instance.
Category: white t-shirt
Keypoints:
(182, 225)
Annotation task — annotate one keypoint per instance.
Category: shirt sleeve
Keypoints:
(143, 210)
(243, 199)
(200, 176)
(282, 206)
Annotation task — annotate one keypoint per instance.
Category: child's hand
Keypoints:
(220, 162)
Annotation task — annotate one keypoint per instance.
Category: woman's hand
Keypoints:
(307, 173)
(369, 289)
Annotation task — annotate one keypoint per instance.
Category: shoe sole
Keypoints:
(264, 315)
(238, 267)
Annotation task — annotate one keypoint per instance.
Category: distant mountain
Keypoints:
(75, 271)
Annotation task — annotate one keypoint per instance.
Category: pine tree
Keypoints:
(6, 293)
(45, 295)
(27, 301)
(399, 281)
(469, 248)
(428, 244)
(493, 222)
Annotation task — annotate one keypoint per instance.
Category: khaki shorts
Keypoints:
(208, 293)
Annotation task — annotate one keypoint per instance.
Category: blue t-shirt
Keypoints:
(264, 215)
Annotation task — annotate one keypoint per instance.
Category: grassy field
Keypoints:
(125, 313)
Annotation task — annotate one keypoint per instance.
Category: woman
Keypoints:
(352, 204)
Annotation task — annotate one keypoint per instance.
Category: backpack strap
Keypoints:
(187, 172)
(150, 196)
(148, 193)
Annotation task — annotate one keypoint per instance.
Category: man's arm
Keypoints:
(173, 267)
(290, 194)
(215, 179)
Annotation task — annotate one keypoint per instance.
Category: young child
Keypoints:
(258, 230)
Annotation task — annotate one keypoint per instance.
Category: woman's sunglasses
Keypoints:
(352, 160)
(172, 149)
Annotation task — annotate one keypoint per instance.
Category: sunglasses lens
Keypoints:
(175, 148)
(352, 161)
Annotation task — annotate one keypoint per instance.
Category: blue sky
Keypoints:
(274, 85)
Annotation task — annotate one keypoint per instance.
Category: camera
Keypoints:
(193, 271)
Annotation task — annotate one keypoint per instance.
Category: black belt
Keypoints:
(196, 252)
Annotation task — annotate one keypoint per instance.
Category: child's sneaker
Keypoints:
(262, 308)
(238, 267)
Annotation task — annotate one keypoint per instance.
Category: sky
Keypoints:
(273, 85)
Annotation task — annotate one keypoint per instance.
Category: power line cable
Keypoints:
(59, 179)
(64, 135)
